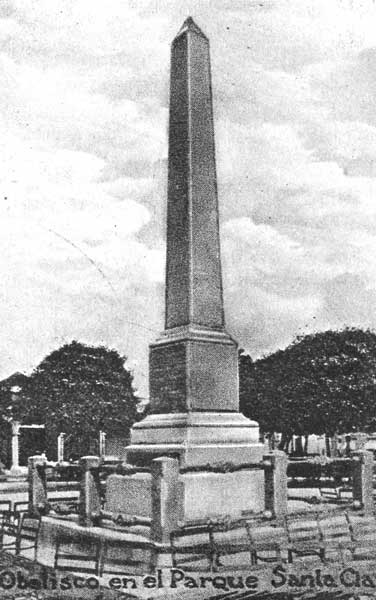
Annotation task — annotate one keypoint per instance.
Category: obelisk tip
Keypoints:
(190, 26)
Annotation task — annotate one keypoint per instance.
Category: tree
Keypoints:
(321, 383)
(79, 390)
(7, 401)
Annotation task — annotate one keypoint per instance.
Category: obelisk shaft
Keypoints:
(193, 274)
(193, 366)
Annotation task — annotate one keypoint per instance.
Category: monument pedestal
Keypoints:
(197, 438)
(194, 399)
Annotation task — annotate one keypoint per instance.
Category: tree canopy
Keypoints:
(78, 390)
(321, 383)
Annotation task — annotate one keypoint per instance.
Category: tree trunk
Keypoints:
(334, 445)
(282, 443)
(299, 446)
(327, 445)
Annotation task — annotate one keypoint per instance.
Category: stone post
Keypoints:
(363, 480)
(275, 465)
(90, 497)
(15, 468)
(37, 485)
(102, 444)
(167, 498)
(60, 447)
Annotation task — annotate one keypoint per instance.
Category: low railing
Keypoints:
(347, 479)
(316, 468)
(163, 484)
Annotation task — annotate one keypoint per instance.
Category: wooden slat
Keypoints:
(127, 560)
(70, 556)
(304, 536)
(28, 531)
(363, 535)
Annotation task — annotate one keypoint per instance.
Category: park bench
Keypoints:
(99, 557)
(363, 535)
(210, 543)
(27, 536)
(304, 536)
(334, 490)
(336, 535)
(267, 543)
(130, 558)
(77, 555)
(222, 544)
(17, 528)
(9, 527)
(64, 505)
(191, 546)
(232, 544)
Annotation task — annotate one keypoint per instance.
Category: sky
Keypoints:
(83, 138)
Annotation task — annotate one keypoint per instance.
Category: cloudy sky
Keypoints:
(83, 137)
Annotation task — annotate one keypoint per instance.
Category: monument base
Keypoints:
(196, 438)
(204, 494)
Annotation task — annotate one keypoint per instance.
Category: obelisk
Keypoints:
(194, 408)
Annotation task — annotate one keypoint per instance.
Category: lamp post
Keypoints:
(15, 469)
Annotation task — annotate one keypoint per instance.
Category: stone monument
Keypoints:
(194, 364)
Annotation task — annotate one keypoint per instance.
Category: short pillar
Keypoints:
(37, 486)
(60, 447)
(167, 498)
(90, 496)
(15, 469)
(102, 444)
(363, 480)
(275, 469)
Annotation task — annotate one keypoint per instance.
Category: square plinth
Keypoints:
(197, 438)
(194, 374)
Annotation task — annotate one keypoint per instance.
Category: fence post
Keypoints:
(363, 480)
(90, 497)
(60, 447)
(102, 444)
(275, 465)
(37, 486)
(15, 467)
(167, 498)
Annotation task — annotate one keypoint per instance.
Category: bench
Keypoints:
(28, 532)
(118, 558)
(336, 535)
(333, 490)
(304, 536)
(191, 545)
(267, 543)
(77, 556)
(232, 545)
(217, 545)
(363, 535)
(64, 505)
(211, 544)
(9, 527)
(17, 528)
